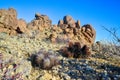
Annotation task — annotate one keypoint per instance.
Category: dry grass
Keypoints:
(107, 51)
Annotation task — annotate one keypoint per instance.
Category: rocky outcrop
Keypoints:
(11, 25)
(74, 32)
(40, 22)
(68, 21)
(53, 37)
(88, 34)
(9, 22)
(67, 29)
(21, 27)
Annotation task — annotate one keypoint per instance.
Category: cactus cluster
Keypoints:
(44, 59)
(11, 70)
(75, 50)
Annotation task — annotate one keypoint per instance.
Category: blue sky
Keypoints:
(95, 12)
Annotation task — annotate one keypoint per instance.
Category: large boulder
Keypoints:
(88, 34)
(78, 24)
(60, 22)
(21, 27)
(9, 22)
(40, 22)
(68, 20)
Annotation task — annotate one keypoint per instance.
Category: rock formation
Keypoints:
(9, 22)
(74, 32)
(88, 34)
(67, 29)
(21, 27)
(11, 25)
(40, 22)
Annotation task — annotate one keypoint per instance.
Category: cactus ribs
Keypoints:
(75, 50)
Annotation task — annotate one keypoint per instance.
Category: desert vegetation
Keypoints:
(75, 50)
(40, 50)
(44, 59)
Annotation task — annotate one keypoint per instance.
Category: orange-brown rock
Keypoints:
(40, 22)
(78, 24)
(21, 27)
(60, 22)
(85, 34)
(88, 34)
(9, 22)
(53, 37)
(67, 29)
(68, 20)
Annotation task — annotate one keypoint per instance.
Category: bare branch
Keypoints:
(113, 33)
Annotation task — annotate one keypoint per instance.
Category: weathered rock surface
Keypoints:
(74, 32)
(11, 25)
(21, 27)
(40, 22)
(88, 34)
(67, 29)
(9, 22)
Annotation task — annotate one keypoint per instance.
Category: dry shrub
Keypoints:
(107, 49)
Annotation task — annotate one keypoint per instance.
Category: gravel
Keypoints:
(94, 68)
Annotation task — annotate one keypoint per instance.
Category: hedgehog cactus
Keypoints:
(86, 50)
(75, 50)
(44, 60)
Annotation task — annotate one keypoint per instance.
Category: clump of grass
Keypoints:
(108, 51)
(107, 47)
